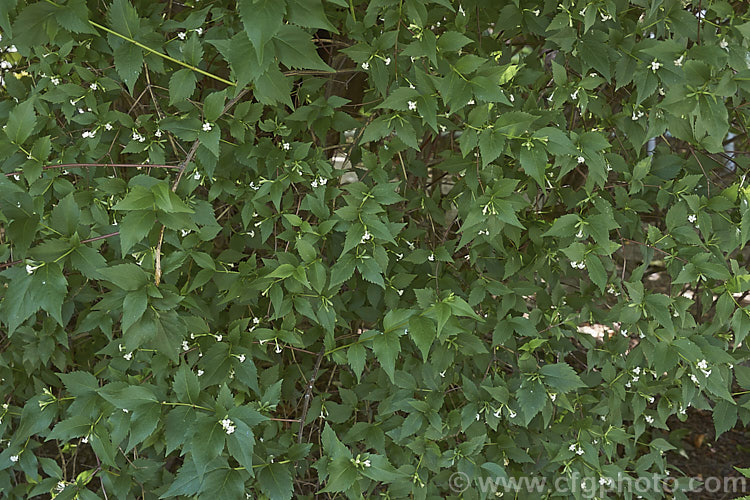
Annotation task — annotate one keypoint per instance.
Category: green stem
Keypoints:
(168, 58)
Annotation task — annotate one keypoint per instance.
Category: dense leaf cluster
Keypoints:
(302, 248)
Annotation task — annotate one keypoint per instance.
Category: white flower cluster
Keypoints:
(365, 66)
(703, 367)
(365, 237)
(637, 115)
(655, 65)
(88, 134)
(207, 127)
(185, 346)
(637, 372)
(577, 265)
(577, 448)
(228, 425)
(138, 137)
(320, 181)
(692, 218)
(359, 462)
(649, 419)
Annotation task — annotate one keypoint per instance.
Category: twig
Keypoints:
(183, 164)
(88, 165)
(308, 393)
(89, 240)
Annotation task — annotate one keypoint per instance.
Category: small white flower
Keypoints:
(477, 417)
(635, 378)
(553, 396)
(16, 177)
(442, 373)
(285, 146)
(185, 346)
(471, 102)
(400, 292)
(200, 372)
(138, 137)
(582, 12)
(694, 379)
(125, 410)
(158, 133)
(682, 410)
(411, 86)
(723, 44)
(637, 115)
(692, 218)
(85, 439)
(207, 127)
(241, 358)
(197, 176)
(651, 399)
(365, 237)
(199, 31)
(512, 414)
(12, 49)
(572, 447)
(579, 451)
(628, 384)
(93, 86)
(219, 338)
(605, 17)
(55, 81)
(5, 65)
(649, 419)
(574, 95)
(181, 35)
(580, 159)
(365, 66)
(536, 12)
(431, 257)
(228, 425)
(14, 458)
(655, 65)
(637, 370)
(511, 98)
(128, 356)
(107, 126)
(60, 486)
(412, 105)
(278, 349)
(121, 347)
(367, 463)
(81, 111)
(387, 61)
(678, 62)
(579, 234)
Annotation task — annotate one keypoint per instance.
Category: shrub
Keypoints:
(295, 248)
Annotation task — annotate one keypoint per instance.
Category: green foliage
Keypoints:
(295, 248)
